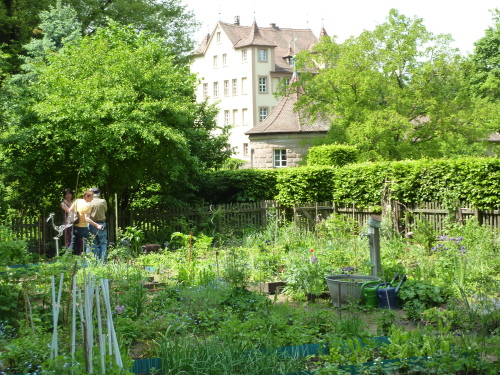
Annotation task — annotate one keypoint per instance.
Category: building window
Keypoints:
(216, 89)
(279, 158)
(243, 86)
(245, 148)
(275, 84)
(218, 37)
(215, 61)
(244, 116)
(263, 113)
(224, 60)
(235, 87)
(205, 90)
(226, 88)
(235, 117)
(227, 119)
(262, 54)
(286, 81)
(262, 85)
(244, 55)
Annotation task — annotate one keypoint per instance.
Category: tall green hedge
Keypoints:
(474, 180)
(237, 186)
(333, 154)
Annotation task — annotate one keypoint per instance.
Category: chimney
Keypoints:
(237, 20)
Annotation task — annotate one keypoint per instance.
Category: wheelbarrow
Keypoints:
(388, 296)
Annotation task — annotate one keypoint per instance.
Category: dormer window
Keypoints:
(290, 60)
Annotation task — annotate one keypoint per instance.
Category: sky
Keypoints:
(466, 21)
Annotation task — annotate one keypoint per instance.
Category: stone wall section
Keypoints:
(262, 149)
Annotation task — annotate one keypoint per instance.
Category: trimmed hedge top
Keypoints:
(471, 179)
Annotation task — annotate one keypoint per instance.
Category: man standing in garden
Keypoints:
(98, 214)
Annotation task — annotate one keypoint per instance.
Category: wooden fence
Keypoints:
(238, 217)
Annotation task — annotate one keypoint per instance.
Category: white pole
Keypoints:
(116, 216)
(54, 331)
(73, 322)
(58, 308)
(102, 346)
(116, 347)
(88, 322)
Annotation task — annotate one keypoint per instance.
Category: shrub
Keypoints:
(12, 249)
(233, 164)
(334, 154)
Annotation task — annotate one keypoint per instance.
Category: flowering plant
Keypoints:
(304, 274)
(453, 246)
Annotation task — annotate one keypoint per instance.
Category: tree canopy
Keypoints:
(395, 92)
(115, 110)
(20, 20)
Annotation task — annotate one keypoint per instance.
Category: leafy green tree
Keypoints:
(115, 110)
(394, 92)
(484, 64)
(59, 26)
(169, 18)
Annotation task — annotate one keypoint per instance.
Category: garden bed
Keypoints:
(206, 311)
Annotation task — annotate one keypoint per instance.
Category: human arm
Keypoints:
(65, 207)
(92, 222)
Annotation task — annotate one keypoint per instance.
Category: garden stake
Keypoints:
(111, 328)
(89, 297)
(102, 346)
(55, 314)
(217, 262)
(340, 297)
(28, 310)
(190, 247)
(73, 320)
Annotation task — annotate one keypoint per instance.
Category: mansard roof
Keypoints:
(284, 41)
(284, 119)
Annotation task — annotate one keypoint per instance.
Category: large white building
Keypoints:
(241, 67)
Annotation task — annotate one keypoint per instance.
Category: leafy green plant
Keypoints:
(134, 299)
(133, 236)
(13, 250)
(424, 233)
(385, 321)
(417, 296)
(26, 352)
(303, 274)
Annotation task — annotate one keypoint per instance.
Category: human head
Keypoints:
(88, 195)
(68, 192)
(96, 191)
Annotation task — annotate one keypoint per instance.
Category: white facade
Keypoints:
(240, 68)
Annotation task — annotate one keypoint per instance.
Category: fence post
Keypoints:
(479, 216)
